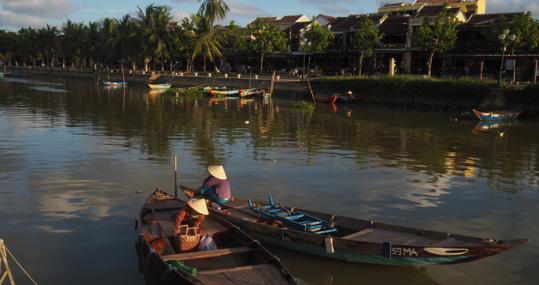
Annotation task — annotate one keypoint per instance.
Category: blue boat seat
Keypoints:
(328, 231)
(310, 223)
(295, 217)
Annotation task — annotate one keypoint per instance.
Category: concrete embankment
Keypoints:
(281, 85)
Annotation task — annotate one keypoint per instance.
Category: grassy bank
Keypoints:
(526, 99)
(411, 91)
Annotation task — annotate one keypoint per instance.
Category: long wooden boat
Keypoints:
(250, 92)
(114, 84)
(496, 115)
(219, 93)
(159, 86)
(238, 259)
(355, 240)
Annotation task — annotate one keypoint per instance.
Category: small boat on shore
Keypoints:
(238, 258)
(496, 115)
(159, 86)
(114, 84)
(355, 240)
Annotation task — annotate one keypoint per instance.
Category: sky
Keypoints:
(15, 14)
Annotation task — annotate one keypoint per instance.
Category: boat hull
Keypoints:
(496, 116)
(160, 86)
(387, 251)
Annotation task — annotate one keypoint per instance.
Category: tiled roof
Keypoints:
(394, 26)
(435, 10)
(437, 1)
(486, 20)
(344, 24)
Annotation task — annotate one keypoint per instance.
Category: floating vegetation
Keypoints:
(303, 105)
(184, 92)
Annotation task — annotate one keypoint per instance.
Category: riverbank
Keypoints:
(412, 92)
(448, 95)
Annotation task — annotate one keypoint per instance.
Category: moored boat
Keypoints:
(224, 92)
(159, 86)
(496, 115)
(250, 92)
(114, 84)
(238, 259)
(355, 240)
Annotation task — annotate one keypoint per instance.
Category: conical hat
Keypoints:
(217, 171)
(199, 205)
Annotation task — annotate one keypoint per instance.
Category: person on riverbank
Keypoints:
(215, 187)
(192, 214)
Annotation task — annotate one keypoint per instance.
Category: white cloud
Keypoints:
(18, 13)
(12, 20)
(41, 8)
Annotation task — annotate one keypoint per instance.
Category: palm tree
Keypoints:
(107, 40)
(49, 40)
(213, 10)
(206, 43)
(90, 44)
(72, 42)
(125, 41)
(153, 23)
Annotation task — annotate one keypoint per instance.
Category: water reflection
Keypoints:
(76, 160)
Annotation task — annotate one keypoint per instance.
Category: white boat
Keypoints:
(162, 86)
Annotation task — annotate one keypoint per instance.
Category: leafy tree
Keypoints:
(265, 38)
(315, 39)
(367, 39)
(437, 35)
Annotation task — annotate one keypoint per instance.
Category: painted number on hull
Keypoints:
(403, 251)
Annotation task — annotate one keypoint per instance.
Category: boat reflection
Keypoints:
(320, 271)
(485, 126)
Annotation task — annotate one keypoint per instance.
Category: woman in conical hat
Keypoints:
(215, 188)
(193, 214)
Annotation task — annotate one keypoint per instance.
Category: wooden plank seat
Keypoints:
(206, 254)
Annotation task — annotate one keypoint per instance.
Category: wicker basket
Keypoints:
(187, 239)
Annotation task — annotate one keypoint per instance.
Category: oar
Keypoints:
(168, 246)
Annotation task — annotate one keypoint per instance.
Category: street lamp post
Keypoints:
(506, 39)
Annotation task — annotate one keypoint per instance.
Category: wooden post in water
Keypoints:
(311, 90)
(535, 67)
(481, 69)
(175, 176)
(5, 271)
(123, 75)
(272, 84)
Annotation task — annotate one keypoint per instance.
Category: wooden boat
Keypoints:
(327, 99)
(114, 84)
(355, 240)
(250, 92)
(159, 86)
(238, 258)
(496, 115)
(219, 93)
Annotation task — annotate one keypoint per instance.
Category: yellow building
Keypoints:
(467, 6)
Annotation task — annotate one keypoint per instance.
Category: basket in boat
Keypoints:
(187, 239)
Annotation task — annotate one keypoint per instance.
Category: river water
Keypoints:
(77, 162)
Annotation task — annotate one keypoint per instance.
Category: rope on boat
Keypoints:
(20, 266)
